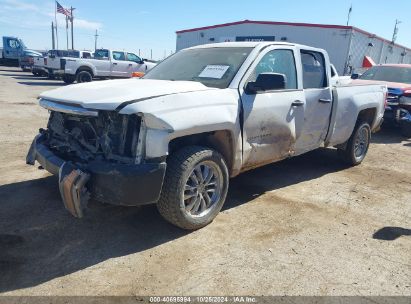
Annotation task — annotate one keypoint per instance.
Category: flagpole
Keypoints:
(55, 19)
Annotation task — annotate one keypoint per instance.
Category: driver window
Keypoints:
(280, 62)
(133, 57)
(14, 44)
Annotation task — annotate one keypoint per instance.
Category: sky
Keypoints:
(142, 26)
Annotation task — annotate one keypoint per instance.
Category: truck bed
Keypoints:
(348, 99)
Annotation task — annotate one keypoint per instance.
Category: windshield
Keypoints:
(213, 67)
(389, 74)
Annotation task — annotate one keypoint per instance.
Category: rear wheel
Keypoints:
(69, 79)
(357, 145)
(195, 187)
(84, 76)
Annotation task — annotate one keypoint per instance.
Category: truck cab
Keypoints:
(14, 50)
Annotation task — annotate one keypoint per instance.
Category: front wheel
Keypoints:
(195, 187)
(406, 128)
(357, 145)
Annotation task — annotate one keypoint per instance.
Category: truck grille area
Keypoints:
(109, 137)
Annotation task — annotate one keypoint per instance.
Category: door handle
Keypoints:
(297, 103)
(115, 63)
(130, 64)
(323, 100)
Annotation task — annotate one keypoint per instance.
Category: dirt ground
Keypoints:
(304, 226)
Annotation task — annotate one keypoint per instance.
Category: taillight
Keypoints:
(31, 60)
(45, 61)
(407, 93)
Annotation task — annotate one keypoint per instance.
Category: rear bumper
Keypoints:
(112, 183)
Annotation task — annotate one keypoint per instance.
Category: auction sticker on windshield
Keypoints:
(214, 71)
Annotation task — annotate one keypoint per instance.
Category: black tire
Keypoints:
(181, 167)
(406, 129)
(84, 76)
(357, 145)
(69, 79)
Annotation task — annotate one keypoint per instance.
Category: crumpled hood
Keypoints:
(110, 94)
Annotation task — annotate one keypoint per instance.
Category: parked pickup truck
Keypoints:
(201, 116)
(51, 64)
(105, 64)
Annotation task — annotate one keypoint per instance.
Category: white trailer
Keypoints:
(347, 46)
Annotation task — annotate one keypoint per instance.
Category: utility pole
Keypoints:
(349, 15)
(95, 41)
(53, 42)
(72, 19)
(394, 35)
(67, 39)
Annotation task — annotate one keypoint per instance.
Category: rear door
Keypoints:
(271, 118)
(120, 67)
(318, 100)
(102, 62)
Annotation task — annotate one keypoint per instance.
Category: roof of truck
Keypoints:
(242, 44)
(255, 45)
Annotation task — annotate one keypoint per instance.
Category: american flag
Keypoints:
(62, 10)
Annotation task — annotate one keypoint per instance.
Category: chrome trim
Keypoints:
(59, 107)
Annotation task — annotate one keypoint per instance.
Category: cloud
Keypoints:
(36, 16)
(19, 5)
(78, 22)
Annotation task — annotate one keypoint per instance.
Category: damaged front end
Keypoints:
(97, 156)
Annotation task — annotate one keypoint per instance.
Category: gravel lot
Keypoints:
(304, 226)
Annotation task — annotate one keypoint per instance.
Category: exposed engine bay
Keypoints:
(109, 137)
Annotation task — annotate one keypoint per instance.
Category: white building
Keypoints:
(347, 46)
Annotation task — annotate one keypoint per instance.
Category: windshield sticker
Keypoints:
(214, 71)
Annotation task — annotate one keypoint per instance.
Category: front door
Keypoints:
(12, 48)
(318, 99)
(271, 118)
(138, 64)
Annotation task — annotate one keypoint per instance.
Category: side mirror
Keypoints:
(355, 76)
(266, 82)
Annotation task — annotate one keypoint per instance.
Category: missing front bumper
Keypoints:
(72, 185)
(112, 183)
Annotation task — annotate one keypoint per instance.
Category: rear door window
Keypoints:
(101, 54)
(119, 56)
(314, 72)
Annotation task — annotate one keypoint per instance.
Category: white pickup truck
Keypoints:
(50, 65)
(104, 64)
(201, 116)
